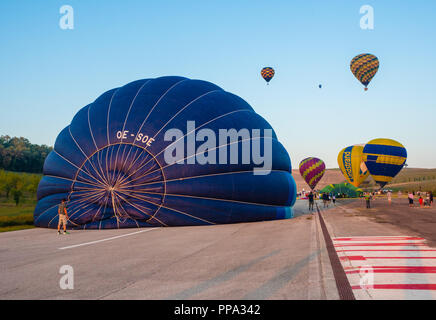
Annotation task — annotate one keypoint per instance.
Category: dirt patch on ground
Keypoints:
(420, 221)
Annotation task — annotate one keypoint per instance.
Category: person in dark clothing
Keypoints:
(368, 200)
(311, 200)
(325, 199)
(431, 198)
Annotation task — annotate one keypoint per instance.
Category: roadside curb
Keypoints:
(343, 286)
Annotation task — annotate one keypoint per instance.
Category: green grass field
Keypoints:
(14, 217)
(16, 211)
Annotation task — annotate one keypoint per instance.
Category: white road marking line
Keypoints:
(403, 267)
(107, 239)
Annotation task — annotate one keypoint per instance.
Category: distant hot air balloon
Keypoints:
(364, 67)
(351, 164)
(320, 86)
(384, 159)
(312, 170)
(267, 73)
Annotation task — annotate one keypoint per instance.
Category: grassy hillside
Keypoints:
(412, 179)
(17, 199)
(330, 176)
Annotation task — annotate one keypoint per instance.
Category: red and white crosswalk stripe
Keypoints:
(388, 267)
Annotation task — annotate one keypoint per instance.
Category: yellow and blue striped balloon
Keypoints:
(384, 159)
(351, 164)
(364, 67)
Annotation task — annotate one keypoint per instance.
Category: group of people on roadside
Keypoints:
(425, 199)
(325, 197)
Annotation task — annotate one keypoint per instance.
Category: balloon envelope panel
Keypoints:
(364, 67)
(350, 160)
(312, 170)
(342, 188)
(267, 73)
(384, 159)
(110, 162)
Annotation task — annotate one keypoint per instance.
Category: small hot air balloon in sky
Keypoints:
(267, 73)
(384, 159)
(351, 163)
(312, 169)
(320, 86)
(364, 67)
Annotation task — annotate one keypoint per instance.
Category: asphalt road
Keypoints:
(263, 260)
(283, 259)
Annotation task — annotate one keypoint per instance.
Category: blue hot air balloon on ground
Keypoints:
(111, 165)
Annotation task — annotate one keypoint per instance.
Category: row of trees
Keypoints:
(18, 154)
(14, 185)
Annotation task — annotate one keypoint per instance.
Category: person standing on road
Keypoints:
(63, 216)
(410, 197)
(368, 200)
(334, 199)
(427, 200)
(324, 200)
(430, 194)
(389, 197)
(311, 200)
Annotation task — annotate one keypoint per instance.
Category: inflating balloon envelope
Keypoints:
(110, 164)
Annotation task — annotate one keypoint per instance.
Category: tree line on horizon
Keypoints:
(19, 155)
(16, 186)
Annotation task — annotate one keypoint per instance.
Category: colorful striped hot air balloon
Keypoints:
(267, 74)
(351, 164)
(364, 67)
(312, 169)
(384, 159)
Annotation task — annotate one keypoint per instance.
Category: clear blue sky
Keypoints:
(47, 74)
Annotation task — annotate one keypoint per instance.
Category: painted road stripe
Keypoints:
(107, 239)
(398, 270)
(378, 238)
(380, 244)
(369, 258)
(387, 250)
(414, 286)
(401, 267)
